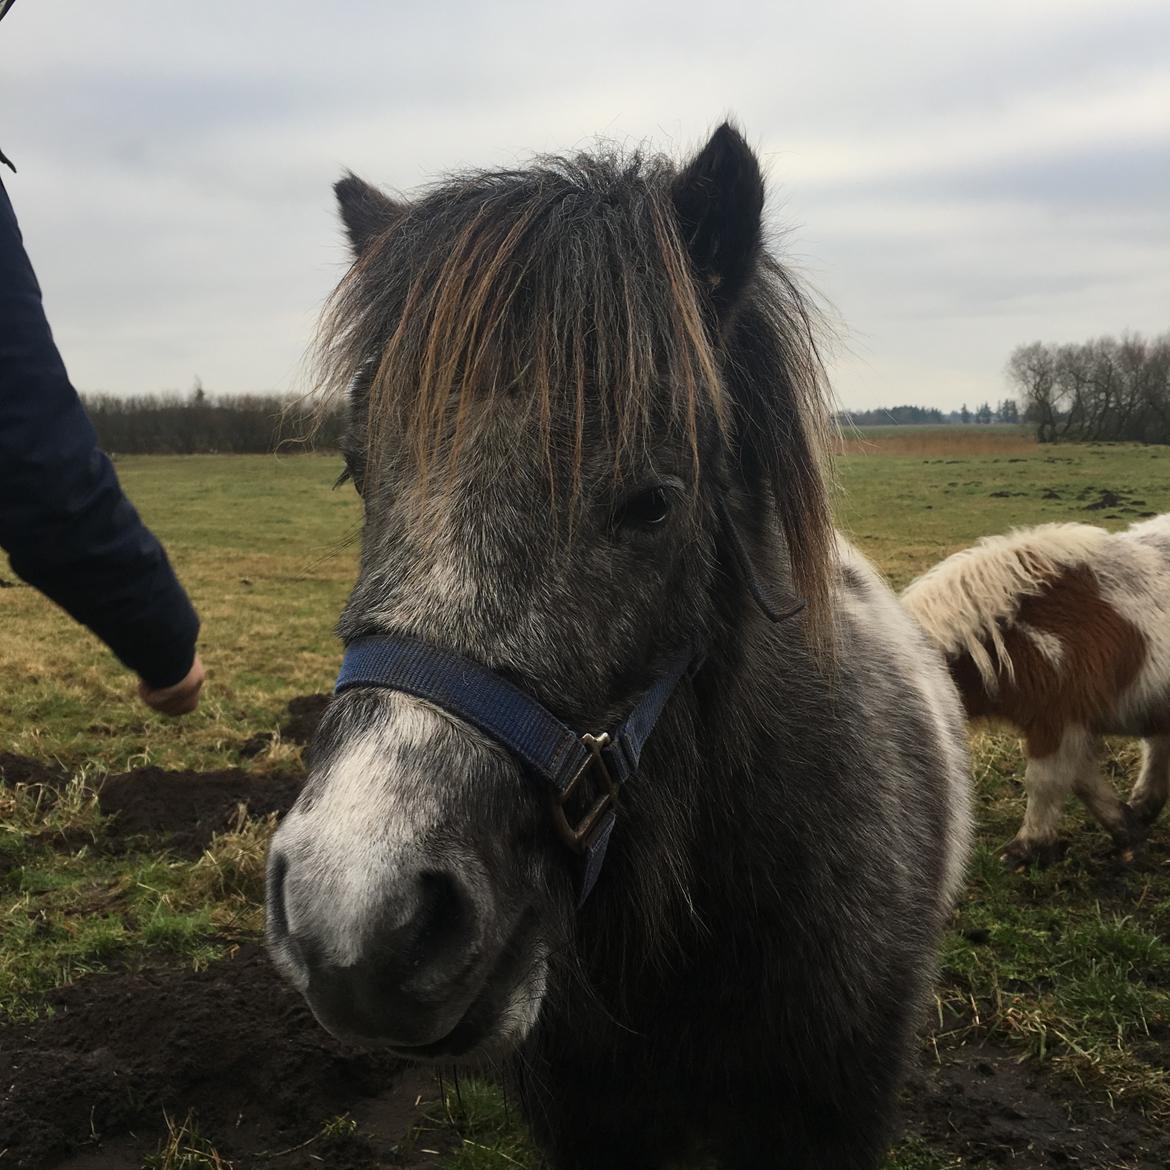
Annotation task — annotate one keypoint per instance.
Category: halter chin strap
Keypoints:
(545, 746)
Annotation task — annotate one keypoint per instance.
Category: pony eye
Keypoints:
(643, 511)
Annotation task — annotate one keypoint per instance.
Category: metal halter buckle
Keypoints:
(576, 836)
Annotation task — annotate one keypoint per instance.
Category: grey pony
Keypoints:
(563, 380)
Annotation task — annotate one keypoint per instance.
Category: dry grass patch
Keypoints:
(930, 440)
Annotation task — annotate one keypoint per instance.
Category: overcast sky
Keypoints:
(953, 179)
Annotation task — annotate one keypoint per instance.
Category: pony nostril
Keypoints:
(286, 951)
(432, 945)
(444, 912)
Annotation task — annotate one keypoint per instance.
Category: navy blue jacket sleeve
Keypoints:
(64, 521)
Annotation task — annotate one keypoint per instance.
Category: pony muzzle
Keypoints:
(403, 967)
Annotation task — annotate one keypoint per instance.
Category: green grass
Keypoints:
(906, 512)
(266, 549)
(1070, 962)
(68, 915)
(70, 910)
(916, 1154)
(476, 1122)
(65, 917)
(185, 1148)
(1070, 965)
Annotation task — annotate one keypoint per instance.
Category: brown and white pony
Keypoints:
(1063, 631)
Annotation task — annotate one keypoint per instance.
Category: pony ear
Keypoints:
(365, 211)
(718, 198)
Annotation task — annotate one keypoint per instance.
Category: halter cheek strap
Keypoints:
(772, 605)
(545, 747)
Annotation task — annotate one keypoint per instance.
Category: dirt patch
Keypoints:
(304, 713)
(90, 1087)
(1105, 499)
(185, 808)
(188, 808)
(1124, 502)
(180, 811)
(232, 1045)
(16, 770)
(983, 1103)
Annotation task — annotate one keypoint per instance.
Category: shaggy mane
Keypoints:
(568, 288)
(967, 601)
(563, 285)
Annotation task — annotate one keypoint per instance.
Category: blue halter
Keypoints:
(546, 747)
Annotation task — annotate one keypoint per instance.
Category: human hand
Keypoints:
(180, 699)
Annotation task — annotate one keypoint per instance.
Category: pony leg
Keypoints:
(1048, 781)
(1116, 818)
(1150, 792)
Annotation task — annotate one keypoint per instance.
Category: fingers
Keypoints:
(180, 699)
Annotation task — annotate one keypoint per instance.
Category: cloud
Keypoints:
(954, 179)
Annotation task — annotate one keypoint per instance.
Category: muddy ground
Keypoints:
(189, 807)
(89, 1086)
(982, 1103)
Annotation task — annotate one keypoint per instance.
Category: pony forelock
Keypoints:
(565, 285)
(569, 288)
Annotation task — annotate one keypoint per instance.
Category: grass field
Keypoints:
(1058, 982)
(267, 551)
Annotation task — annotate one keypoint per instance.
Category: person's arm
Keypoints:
(64, 521)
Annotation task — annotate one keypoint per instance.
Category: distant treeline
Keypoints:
(197, 423)
(1104, 390)
(1100, 391)
(884, 416)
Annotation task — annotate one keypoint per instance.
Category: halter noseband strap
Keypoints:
(542, 743)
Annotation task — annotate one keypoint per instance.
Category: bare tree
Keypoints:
(1101, 390)
(1032, 370)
